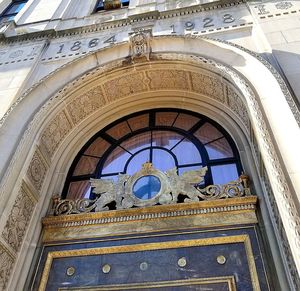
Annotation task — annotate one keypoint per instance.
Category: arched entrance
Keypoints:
(168, 81)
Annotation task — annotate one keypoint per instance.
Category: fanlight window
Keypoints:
(166, 138)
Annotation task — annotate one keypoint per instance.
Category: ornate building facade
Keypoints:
(190, 95)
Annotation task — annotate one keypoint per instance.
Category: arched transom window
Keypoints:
(166, 138)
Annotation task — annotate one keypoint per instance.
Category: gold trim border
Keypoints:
(174, 283)
(155, 246)
(153, 225)
(224, 205)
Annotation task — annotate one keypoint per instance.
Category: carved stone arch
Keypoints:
(44, 161)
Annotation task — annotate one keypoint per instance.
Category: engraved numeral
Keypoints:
(228, 18)
(60, 49)
(173, 28)
(76, 46)
(112, 39)
(33, 52)
(189, 25)
(94, 42)
(208, 22)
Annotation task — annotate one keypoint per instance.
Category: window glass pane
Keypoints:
(15, 8)
(165, 118)
(207, 133)
(219, 149)
(138, 160)
(125, 2)
(86, 165)
(100, 5)
(79, 190)
(146, 187)
(119, 130)
(137, 142)
(162, 160)
(97, 148)
(187, 153)
(6, 18)
(166, 139)
(139, 122)
(116, 161)
(224, 173)
(185, 121)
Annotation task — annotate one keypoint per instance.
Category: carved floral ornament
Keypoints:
(150, 187)
(283, 194)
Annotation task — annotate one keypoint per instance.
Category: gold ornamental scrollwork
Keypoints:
(171, 186)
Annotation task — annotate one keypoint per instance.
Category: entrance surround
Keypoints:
(66, 108)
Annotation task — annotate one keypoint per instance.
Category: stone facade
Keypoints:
(66, 72)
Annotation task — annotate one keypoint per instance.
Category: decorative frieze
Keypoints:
(37, 170)
(129, 83)
(168, 79)
(207, 85)
(18, 220)
(6, 265)
(236, 104)
(84, 105)
(56, 130)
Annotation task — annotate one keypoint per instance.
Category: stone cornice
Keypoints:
(204, 214)
(131, 20)
(152, 212)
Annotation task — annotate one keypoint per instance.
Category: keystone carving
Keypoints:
(140, 44)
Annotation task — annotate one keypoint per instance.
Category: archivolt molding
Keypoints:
(60, 126)
(288, 96)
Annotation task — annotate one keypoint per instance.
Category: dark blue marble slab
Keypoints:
(162, 265)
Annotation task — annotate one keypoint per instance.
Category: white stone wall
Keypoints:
(280, 23)
(54, 42)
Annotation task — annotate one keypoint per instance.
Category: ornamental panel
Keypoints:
(207, 85)
(123, 86)
(84, 105)
(58, 128)
(6, 265)
(37, 170)
(18, 220)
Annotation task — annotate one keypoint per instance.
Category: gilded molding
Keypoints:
(247, 203)
(156, 246)
(228, 280)
(223, 212)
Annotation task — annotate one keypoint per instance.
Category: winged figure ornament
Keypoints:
(109, 191)
(184, 184)
(121, 193)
